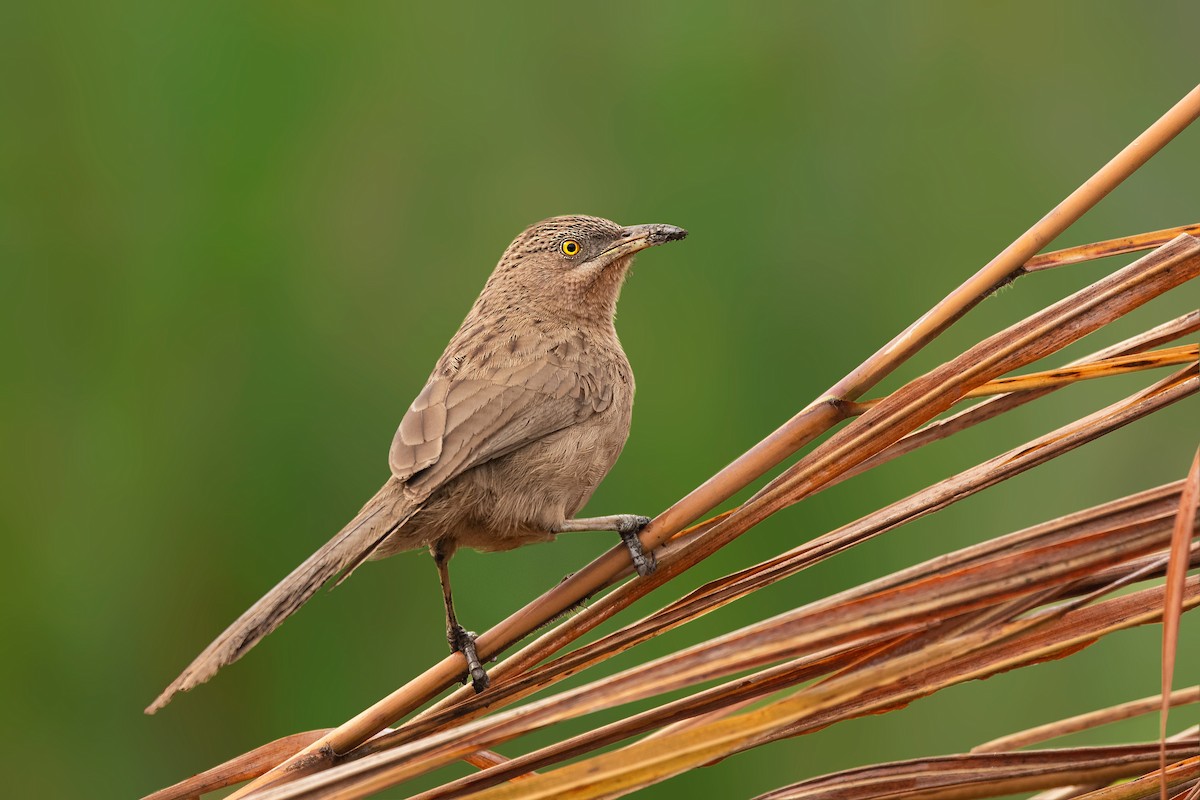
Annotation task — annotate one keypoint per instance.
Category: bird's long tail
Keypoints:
(382, 514)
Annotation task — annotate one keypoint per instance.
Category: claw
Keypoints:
(645, 563)
(463, 641)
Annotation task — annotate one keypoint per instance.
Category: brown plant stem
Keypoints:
(1181, 541)
(1111, 247)
(246, 766)
(1083, 722)
(1180, 775)
(977, 775)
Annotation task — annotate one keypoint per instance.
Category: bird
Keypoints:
(523, 415)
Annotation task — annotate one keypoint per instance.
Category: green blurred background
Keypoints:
(234, 238)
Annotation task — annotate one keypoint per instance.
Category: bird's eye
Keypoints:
(570, 247)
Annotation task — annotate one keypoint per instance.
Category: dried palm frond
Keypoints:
(1011, 600)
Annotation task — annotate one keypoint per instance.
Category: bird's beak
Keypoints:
(639, 237)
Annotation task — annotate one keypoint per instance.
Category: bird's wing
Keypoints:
(459, 422)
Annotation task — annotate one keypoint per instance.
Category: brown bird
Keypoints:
(524, 414)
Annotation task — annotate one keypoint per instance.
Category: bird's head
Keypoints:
(573, 266)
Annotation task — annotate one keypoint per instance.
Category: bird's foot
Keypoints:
(629, 528)
(463, 641)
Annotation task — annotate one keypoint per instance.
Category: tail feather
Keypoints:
(382, 514)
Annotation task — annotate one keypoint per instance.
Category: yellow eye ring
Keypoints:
(570, 247)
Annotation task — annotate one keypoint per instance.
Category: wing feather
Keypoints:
(459, 422)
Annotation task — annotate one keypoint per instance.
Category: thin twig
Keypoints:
(1181, 540)
(976, 775)
(1083, 722)
(1111, 247)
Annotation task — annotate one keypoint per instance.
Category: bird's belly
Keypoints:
(531, 491)
(519, 498)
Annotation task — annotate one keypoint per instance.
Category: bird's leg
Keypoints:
(628, 525)
(461, 640)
